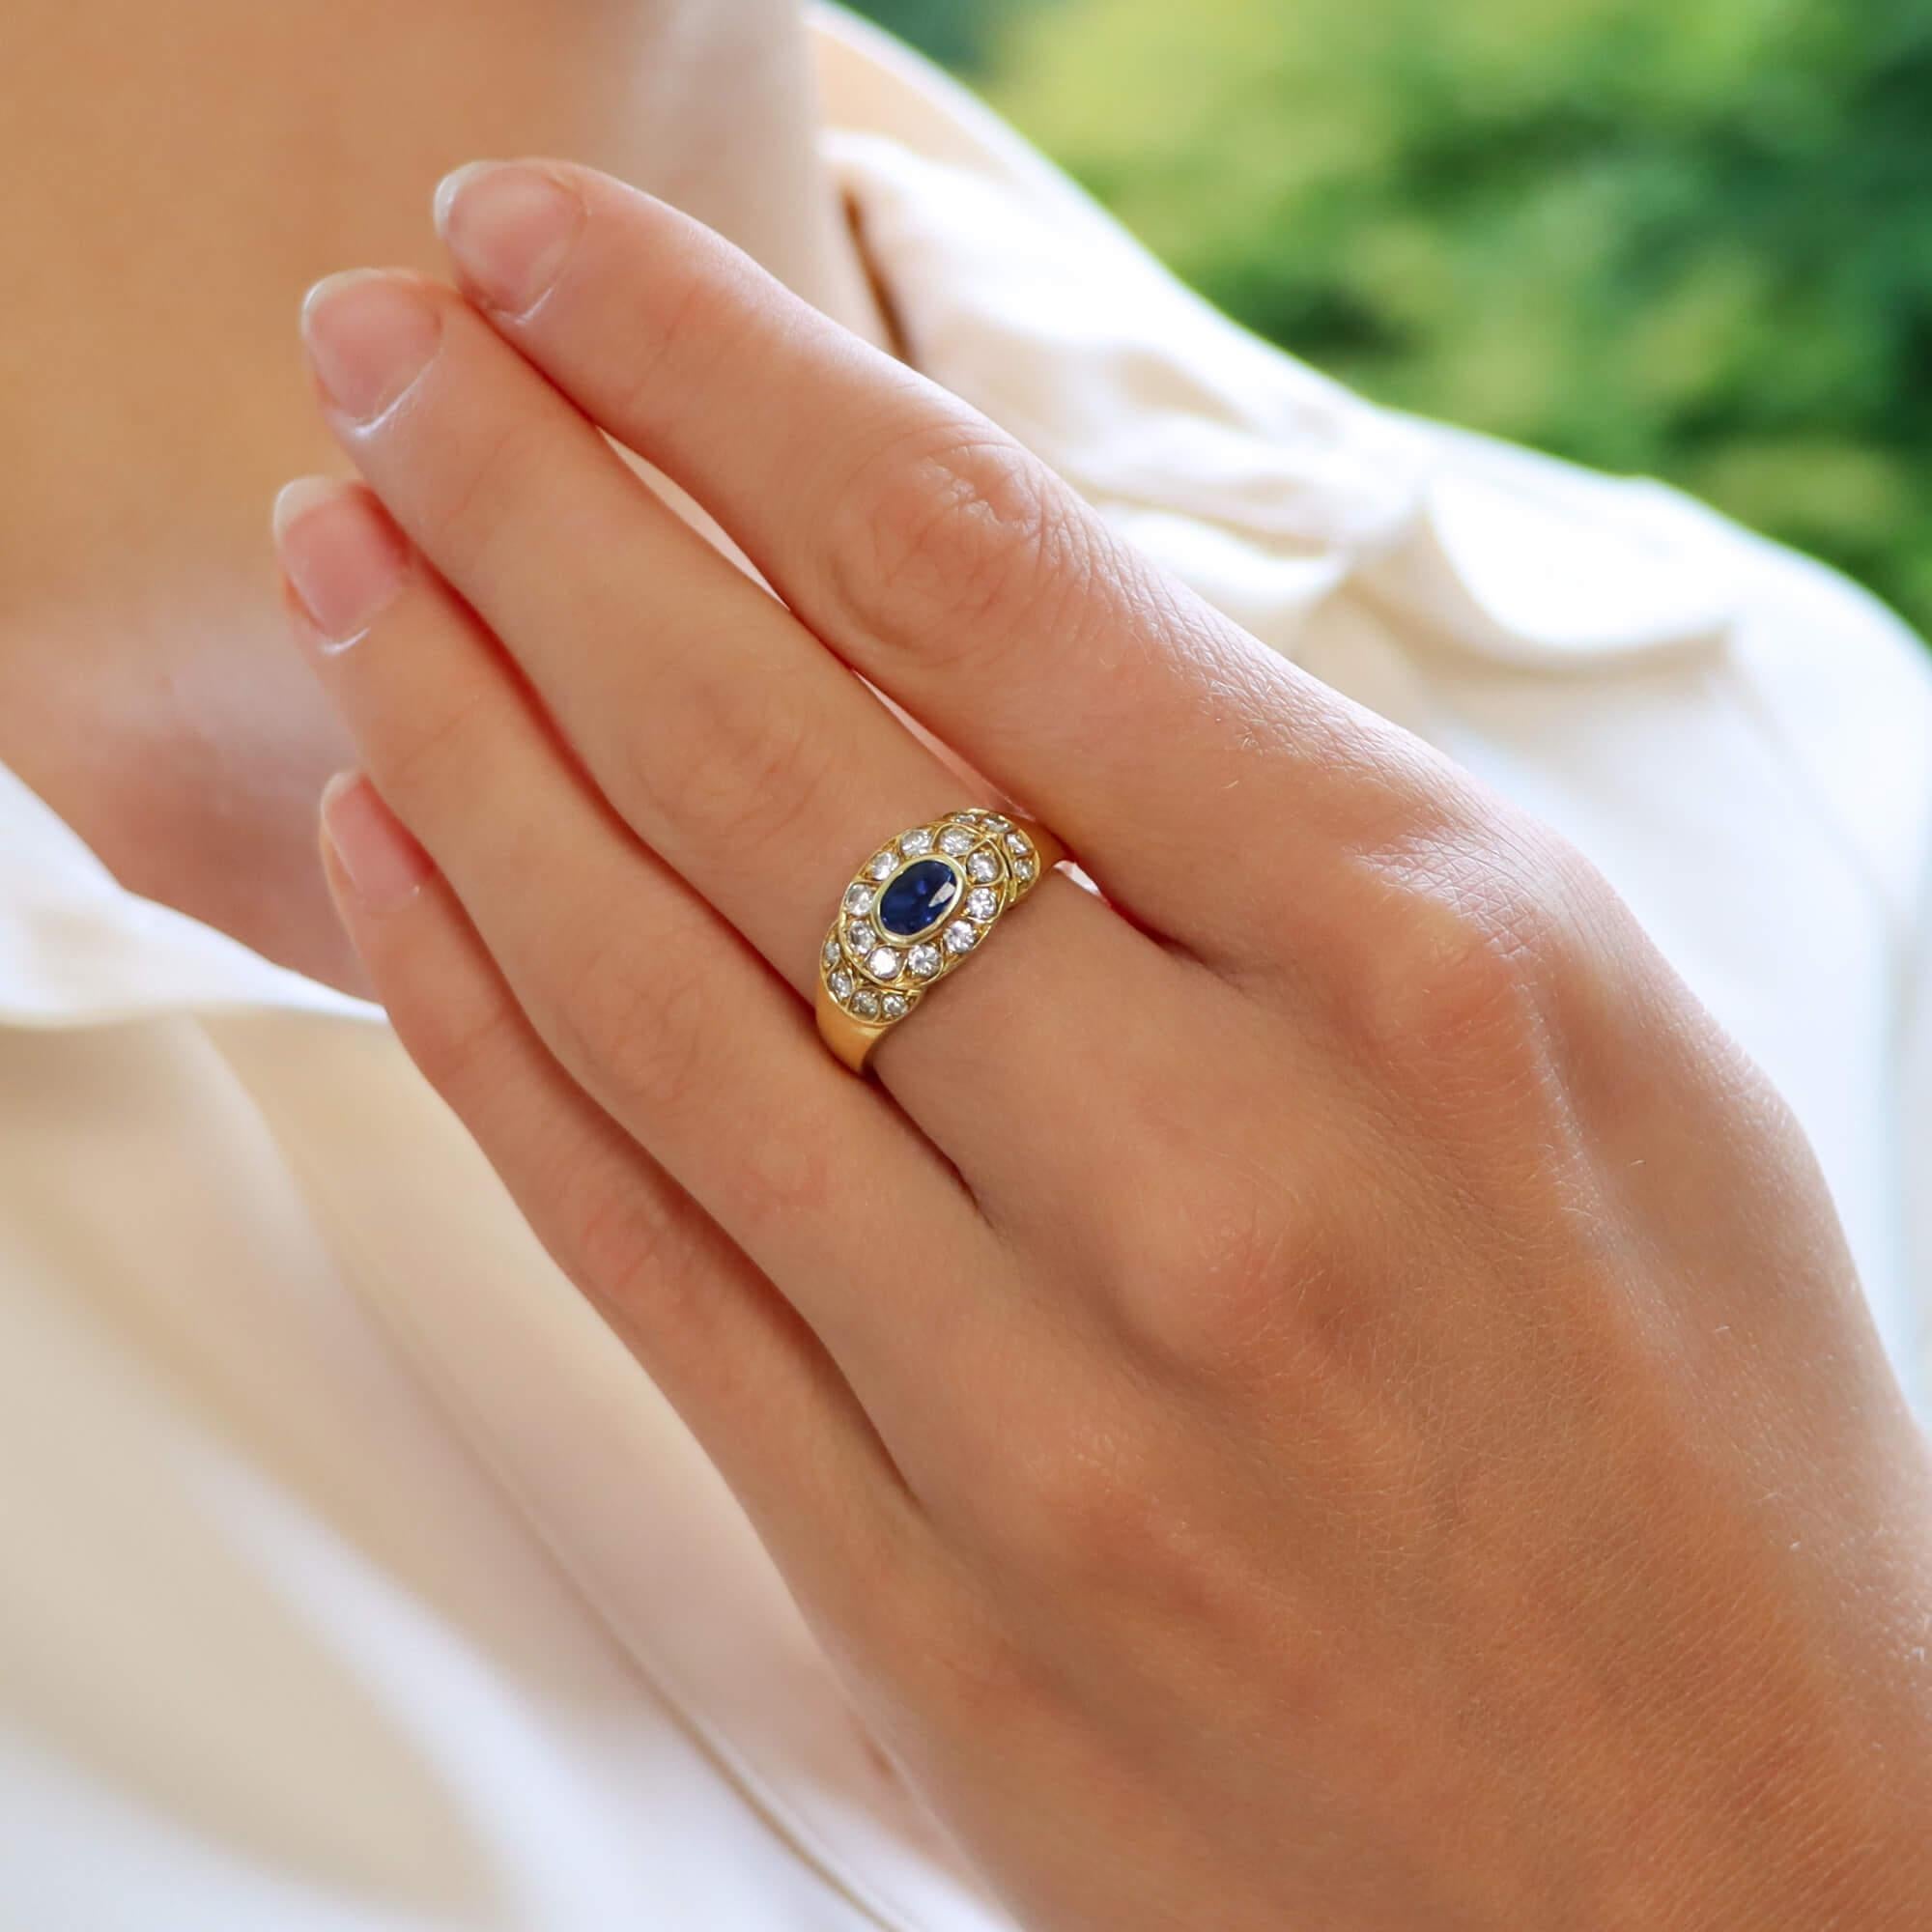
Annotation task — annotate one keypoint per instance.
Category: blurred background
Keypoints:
(1686, 238)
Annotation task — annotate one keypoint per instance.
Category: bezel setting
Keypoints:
(994, 864)
(961, 886)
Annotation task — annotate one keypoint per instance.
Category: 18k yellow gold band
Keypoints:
(917, 909)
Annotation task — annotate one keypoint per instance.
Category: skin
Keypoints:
(1378, 1427)
(151, 397)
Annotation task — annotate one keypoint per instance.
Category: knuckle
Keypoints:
(631, 1029)
(1088, 1514)
(618, 1240)
(614, 1232)
(1452, 980)
(744, 759)
(458, 1048)
(1102, 1519)
(789, 1179)
(700, 315)
(1203, 1270)
(950, 534)
(471, 504)
(1078, 1488)
(1210, 1286)
(1463, 953)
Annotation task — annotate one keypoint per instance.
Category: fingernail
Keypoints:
(344, 557)
(509, 227)
(382, 861)
(369, 334)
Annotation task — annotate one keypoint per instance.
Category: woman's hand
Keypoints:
(1316, 1389)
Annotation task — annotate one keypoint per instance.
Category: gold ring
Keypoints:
(918, 910)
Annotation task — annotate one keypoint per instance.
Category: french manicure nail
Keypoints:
(369, 336)
(383, 863)
(509, 227)
(344, 557)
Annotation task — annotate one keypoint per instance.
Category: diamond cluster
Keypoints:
(993, 863)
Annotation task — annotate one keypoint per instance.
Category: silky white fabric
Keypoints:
(352, 1576)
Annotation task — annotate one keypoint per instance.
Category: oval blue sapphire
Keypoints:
(920, 897)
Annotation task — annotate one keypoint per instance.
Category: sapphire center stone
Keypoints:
(919, 898)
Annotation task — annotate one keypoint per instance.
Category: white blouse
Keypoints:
(352, 1576)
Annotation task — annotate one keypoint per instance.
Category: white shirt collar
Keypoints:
(77, 948)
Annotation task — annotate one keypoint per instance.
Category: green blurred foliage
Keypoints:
(958, 33)
(1686, 238)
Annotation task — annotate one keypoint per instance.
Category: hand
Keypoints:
(1316, 1389)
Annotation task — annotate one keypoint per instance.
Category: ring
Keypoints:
(918, 909)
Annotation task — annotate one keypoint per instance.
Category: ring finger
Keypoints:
(618, 967)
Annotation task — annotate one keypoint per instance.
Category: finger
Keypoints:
(949, 567)
(737, 748)
(741, 1367)
(634, 985)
